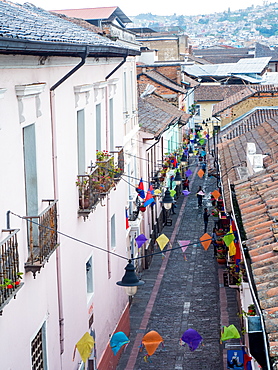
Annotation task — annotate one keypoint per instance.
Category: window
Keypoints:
(111, 123)
(90, 276)
(98, 127)
(125, 93)
(38, 350)
(113, 232)
(198, 110)
(81, 142)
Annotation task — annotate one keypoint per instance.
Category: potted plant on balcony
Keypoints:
(102, 155)
(221, 256)
(83, 187)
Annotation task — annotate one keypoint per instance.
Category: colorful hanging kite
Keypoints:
(184, 244)
(162, 240)
(172, 193)
(229, 241)
(140, 240)
(192, 338)
(229, 332)
(188, 172)
(206, 240)
(215, 194)
(84, 346)
(185, 192)
(151, 341)
(118, 340)
(200, 173)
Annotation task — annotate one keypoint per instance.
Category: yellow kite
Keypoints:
(162, 240)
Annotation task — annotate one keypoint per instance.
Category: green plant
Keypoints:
(102, 155)
(9, 284)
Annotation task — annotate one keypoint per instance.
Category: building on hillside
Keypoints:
(68, 118)
(247, 157)
(242, 102)
(206, 96)
(169, 46)
(111, 20)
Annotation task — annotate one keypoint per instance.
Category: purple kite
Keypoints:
(185, 192)
(188, 172)
(140, 240)
(192, 338)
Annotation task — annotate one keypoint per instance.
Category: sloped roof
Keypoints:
(155, 114)
(265, 51)
(240, 96)
(162, 80)
(256, 127)
(258, 201)
(216, 92)
(223, 54)
(29, 29)
(101, 13)
(257, 197)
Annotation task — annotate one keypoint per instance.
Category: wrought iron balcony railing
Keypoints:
(102, 178)
(9, 269)
(42, 237)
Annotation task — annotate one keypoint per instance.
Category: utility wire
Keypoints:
(105, 250)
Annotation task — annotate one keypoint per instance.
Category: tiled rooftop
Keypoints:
(155, 114)
(161, 79)
(242, 95)
(216, 92)
(29, 22)
(258, 127)
(257, 197)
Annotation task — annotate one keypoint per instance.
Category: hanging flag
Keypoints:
(192, 338)
(126, 220)
(246, 360)
(162, 240)
(85, 346)
(118, 340)
(140, 189)
(229, 332)
(151, 341)
(140, 240)
(206, 240)
(149, 197)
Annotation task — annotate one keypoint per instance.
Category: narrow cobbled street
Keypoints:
(182, 293)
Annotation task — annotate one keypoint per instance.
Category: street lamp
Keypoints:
(178, 178)
(183, 159)
(167, 200)
(130, 281)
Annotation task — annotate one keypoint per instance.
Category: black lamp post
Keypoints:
(167, 200)
(178, 181)
(130, 281)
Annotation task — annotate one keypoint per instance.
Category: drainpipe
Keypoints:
(116, 68)
(55, 184)
(252, 288)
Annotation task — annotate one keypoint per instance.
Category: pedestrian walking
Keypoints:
(200, 195)
(186, 184)
(206, 219)
(214, 238)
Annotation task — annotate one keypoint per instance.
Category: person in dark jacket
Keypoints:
(206, 219)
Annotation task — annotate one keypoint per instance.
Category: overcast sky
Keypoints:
(157, 7)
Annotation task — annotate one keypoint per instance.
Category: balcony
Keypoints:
(42, 237)
(103, 177)
(9, 269)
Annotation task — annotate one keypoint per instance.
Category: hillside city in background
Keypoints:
(239, 28)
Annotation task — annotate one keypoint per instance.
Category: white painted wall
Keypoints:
(37, 301)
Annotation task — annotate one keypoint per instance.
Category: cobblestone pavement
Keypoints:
(180, 294)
